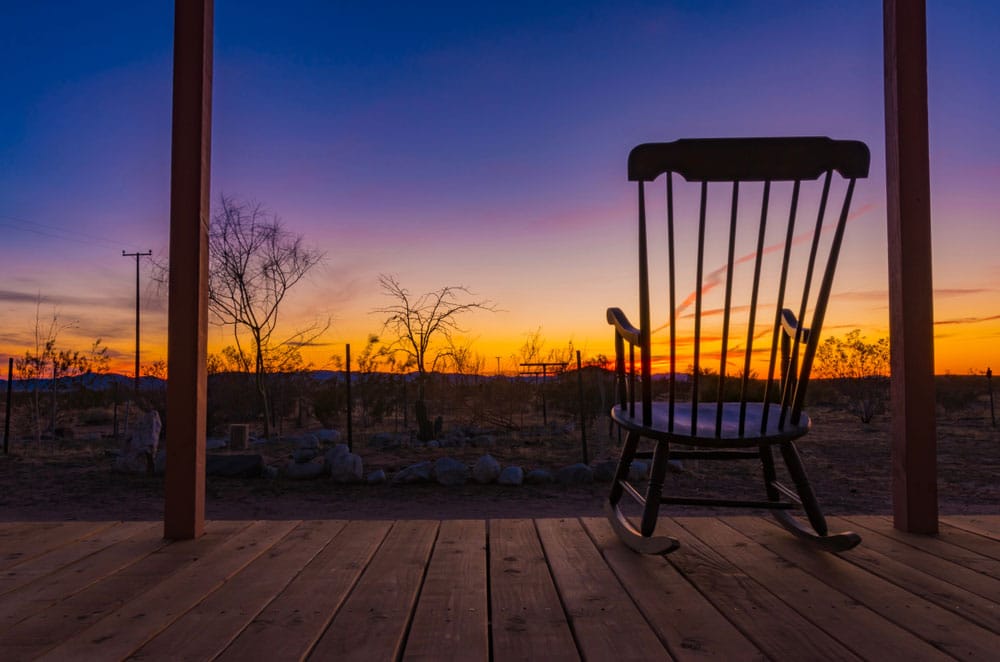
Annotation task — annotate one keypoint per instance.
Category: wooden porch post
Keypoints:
(184, 515)
(911, 311)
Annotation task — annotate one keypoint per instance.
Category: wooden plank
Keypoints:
(980, 524)
(36, 542)
(372, 623)
(187, 300)
(970, 540)
(123, 631)
(941, 628)
(687, 623)
(33, 636)
(451, 618)
(204, 631)
(777, 629)
(867, 634)
(606, 623)
(911, 286)
(12, 532)
(894, 565)
(53, 560)
(941, 546)
(292, 623)
(527, 616)
(67, 581)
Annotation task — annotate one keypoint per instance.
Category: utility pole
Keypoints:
(137, 256)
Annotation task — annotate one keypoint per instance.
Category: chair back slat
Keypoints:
(672, 284)
(742, 170)
(730, 257)
(755, 290)
(644, 312)
(819, 312)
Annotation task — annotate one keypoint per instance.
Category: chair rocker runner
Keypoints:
(746, 331)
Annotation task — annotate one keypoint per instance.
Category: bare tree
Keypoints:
(47, 360)
(418, 322)
(254, 262)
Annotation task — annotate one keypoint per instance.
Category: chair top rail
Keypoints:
(749, 159)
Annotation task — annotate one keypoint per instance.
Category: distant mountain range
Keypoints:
(90, 380)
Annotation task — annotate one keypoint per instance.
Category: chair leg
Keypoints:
(838, 542)
(802, 485)
(767, 466)
(624, 464)
(643, 542)
(654, 491)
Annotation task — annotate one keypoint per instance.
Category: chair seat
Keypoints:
(705, 433)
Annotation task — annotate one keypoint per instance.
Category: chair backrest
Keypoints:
(736, 207)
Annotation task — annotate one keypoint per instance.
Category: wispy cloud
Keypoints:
(883, 295)
(966, 320)
(14, 296)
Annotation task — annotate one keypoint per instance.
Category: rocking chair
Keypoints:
(738, 328)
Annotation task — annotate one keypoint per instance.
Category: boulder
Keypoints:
(538, 477)
(376, 477)
(450, 472)
(487, 470)
(347, 468)
(139, 449)
(339, 450)
(639, 470)
(234, 466)
(309, 441)
(328, 436)
(303, 471)
(215, 443)
(511, 476)
(415, 473)
(575, 474)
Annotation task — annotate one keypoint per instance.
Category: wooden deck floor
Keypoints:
(548, 589)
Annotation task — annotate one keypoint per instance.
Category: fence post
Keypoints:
(989, 386)
(583, 418)
(6, 420)
(350, 404)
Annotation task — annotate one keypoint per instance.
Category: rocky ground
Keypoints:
(848, 462)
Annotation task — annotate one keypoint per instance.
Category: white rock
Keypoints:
(450, 472)
(486, 470)
(139, 448)
(347, 468)
(511, 476)
(328, 436)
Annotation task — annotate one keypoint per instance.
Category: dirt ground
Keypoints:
(848, 462)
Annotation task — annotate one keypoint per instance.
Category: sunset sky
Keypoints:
(468, 144)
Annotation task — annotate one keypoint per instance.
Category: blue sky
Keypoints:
(458, 143)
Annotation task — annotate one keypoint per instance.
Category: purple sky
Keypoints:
(453, 143)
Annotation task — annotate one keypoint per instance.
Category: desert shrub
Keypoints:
(858, 369)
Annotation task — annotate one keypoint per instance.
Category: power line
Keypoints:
(52, 231)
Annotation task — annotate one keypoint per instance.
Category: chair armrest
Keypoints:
(790, 325)
(617, 319)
